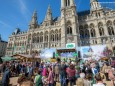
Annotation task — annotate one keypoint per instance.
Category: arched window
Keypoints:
(81, 31)
(53, 39)
(34, 38)
(110, 28)
(92, 32)
(46, 36)
(67, 2)
(86, 31)
(114, 22)
(38, 37)
(56, 35)
(59, 35)
(101, 30)
(81, 34)
(52, 36)
(29, 38)
(69, 30)
(41, 37)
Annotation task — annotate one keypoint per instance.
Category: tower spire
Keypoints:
(72, 2)
(48, 14)
(94, 5)
(62, 4)
(34, 22)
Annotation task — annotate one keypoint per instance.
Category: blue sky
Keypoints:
(18, 13)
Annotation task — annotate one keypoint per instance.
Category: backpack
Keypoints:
(95, 71)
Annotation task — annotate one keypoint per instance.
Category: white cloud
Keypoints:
(2, 23)
(23, 9)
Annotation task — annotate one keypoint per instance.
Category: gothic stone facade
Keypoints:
(93, 27)
(3, 46)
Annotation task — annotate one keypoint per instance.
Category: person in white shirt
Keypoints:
(98, 80)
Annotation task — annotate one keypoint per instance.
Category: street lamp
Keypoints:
(33, 56)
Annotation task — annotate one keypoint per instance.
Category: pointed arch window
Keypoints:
(92, 33)
(46, 37)
(59, 35)
(69, 30)
(81, 31)
(38, 39)
(56, 35)
(67, 2)
(101, 30)
(86, 31)
(52, 36)
(41, 37)
(33, 40)
(111, 31)
(110, 28)
(81, 34)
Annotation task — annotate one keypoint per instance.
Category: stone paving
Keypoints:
(13, 82)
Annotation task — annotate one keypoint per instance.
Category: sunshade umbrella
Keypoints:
(8, 58)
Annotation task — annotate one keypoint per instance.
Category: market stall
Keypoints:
(27, 58)
(8, 58)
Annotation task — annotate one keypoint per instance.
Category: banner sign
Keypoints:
(52, 60)
(70, 45)
(93, 52)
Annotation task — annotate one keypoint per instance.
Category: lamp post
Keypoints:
(33, 56)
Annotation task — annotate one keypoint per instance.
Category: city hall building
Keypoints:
(3, 46)
(91, 27)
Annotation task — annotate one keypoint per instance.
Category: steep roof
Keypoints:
(82, 13)
(55, 19)
(4, 41)
(107, 9)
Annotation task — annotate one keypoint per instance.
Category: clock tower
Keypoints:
(69, 22)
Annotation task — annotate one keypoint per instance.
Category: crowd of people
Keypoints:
(60, 73)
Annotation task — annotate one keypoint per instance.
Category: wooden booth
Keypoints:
(27, 58)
